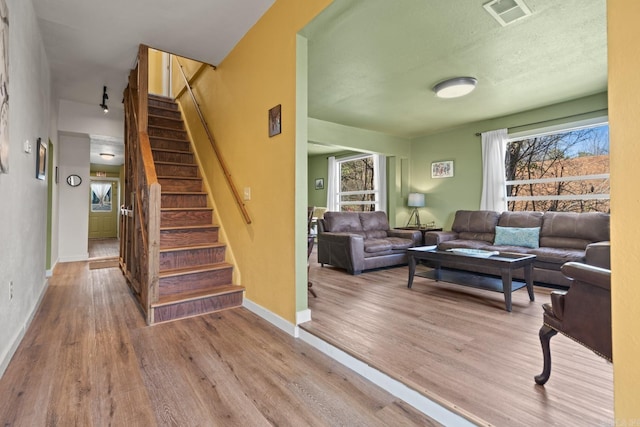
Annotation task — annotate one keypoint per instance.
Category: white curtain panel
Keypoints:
(494, 148)
(332, 185)
(380, 165)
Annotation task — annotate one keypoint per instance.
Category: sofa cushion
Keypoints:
(345, 222)
(461, 243)
(377, 245)
(520, 219)
(475, 225)
(375, 234)
(517, 236)
(573, 230)
(398, 243)
(374, 221)
(557, 256)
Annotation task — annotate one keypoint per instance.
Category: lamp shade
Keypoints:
(416, 200)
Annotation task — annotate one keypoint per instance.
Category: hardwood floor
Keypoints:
(458, 346)
(103, 248)
(89, 360)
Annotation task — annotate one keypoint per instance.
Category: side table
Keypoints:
(420, 229)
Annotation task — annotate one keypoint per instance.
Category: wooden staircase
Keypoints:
(194, 278)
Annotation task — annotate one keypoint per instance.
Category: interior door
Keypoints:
(103, 212)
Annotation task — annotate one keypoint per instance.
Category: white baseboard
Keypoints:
(271, 317)
(75, 258)
(6, 358)
(392, 386)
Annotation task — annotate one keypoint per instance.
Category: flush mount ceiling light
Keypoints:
(104, 106)
(507, 11)
(107, 156)
(453, 88)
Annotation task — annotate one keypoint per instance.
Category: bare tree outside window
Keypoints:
(357, 181)
(566, 172)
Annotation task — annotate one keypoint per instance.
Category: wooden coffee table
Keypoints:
(505, 263)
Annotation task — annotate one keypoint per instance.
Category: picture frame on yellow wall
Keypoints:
(275, 117)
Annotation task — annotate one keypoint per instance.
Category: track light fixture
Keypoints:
(104, 105)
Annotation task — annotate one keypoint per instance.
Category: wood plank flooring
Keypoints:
(89, 360)
(460, 347)
(103, 248)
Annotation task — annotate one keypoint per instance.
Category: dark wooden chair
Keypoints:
(310, 242)
(583, 313)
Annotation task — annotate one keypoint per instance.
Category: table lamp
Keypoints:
(416, 200)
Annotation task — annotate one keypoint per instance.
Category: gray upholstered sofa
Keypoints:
(358, 241)
(562, 237)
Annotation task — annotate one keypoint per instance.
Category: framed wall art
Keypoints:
(4, 83)
(41, 160)
(319, 183)
(442, 169)
(275, 117)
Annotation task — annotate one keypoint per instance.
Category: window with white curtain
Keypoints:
(358, 184)
(564, 169)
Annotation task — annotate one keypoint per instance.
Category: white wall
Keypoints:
(74, 201)
(76, 117)
(23, 198)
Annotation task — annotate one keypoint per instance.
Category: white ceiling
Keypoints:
(372, 63)
(91, 43)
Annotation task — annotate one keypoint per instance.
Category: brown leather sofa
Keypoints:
(359, 241)
(563, 237)
(583, 313)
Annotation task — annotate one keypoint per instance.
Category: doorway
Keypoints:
(104, 199)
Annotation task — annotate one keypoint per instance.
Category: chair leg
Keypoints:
(545, 337)
(309, 285)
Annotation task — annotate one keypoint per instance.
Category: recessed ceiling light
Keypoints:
(107, 156)
(453, 88)
(507, 11)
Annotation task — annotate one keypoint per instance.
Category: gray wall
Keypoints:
(23, 213)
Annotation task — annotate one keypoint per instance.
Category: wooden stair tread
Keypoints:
(196, 295)
(177, 119)
(178, 177)
(182, 271)
(171, 150)
(191, 247)
(189, 227)
(184, 193)
(164, 127)
(184, 209)
(160, 162)
(169, 138)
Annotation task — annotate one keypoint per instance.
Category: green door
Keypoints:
(103, 211)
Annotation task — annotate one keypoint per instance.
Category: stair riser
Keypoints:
(183, 200)
(194, 282)
(175, 114)
(172, 238)
(201, 306)
(168, 156)
(169, 144)
(170, 184)
(155, 102)
(166, 122)
(191, 258)
(167, 133)
(177, 170)
(181, 218)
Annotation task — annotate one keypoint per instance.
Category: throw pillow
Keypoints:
(515, 236)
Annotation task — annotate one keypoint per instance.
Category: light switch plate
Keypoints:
(247, 193)
(27, 146)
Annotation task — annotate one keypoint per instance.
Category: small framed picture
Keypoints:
(319, 183)
(442, 169)
(275, 117)
(41, 160)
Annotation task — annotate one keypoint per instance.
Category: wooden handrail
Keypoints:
(225, 170)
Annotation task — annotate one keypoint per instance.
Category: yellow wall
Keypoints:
(155, 72)
(257, 75)
(624, 107)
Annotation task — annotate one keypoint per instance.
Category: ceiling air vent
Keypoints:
(507, 11)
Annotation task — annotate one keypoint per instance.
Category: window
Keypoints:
(563, 171)
(359, 184)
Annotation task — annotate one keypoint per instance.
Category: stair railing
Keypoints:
(225, 169)
(140, 249)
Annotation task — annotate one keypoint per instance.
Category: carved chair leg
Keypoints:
(545, 337)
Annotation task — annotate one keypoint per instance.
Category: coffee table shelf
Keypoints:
(504, 263)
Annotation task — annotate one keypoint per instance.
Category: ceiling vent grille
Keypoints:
(507, 11)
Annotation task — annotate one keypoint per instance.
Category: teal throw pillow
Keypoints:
(514, 236)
